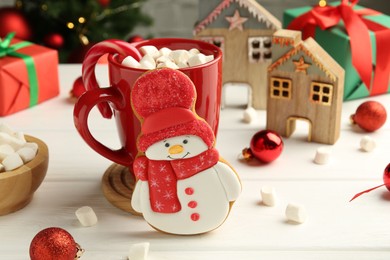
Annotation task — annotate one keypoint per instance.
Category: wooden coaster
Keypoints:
(118, 185)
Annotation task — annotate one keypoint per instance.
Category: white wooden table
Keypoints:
(335, 228)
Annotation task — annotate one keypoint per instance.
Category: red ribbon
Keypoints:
(357, 28)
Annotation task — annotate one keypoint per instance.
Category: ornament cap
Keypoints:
(247, 153)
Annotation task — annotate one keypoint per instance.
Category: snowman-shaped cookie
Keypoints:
(182, 185)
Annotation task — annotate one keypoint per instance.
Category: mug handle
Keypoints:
(81, 112)
(91, 59)
(101, 97)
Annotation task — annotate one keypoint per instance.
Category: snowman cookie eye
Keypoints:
(185, 141)
(167, 144)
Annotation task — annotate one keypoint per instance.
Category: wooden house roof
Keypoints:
(319, 56)
(255, 9)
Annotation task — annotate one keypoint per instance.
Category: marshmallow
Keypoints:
(12, 161)
(26, 153)
(167, 64)
(150, 50)
(209, 58)
(179, 56)
(5, 150)
(11, 140)
(163, 59)
(86, 216)
(367, 144)
(249, 115)
(268, 195)
(6, 129)
(296, 213)
(197, 59)
(164, 51)
(31, 145)
(194, 51)
(20, 136)
(129, 61)
(322, 155)
(147, 62)
(182, 65)
(139, 251)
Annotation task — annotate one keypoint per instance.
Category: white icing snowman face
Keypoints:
(178, 147)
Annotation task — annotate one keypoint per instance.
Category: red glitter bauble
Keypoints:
(104, 3)
(12, 20)
(54, 40)
(53, 243)
(78, 88)
(370, 116)
(386, 177)
(265, 146)
(135, 38)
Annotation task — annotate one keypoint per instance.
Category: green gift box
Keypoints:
(336, 41)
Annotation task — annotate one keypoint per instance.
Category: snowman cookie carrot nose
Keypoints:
(182, 185)
(177, 151)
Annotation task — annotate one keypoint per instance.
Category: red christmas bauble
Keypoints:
(386, 182)
(386, 177)
(370, 116)
(78, 88)
(265, 146)
(53, 243)
(104, 3)
(54, 40)
(135, 38)
(13, 20)
(77, 55)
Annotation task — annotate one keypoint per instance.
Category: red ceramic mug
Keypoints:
(115, 99)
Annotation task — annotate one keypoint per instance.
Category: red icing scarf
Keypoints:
(162, 177)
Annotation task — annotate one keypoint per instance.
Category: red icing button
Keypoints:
(192, 204)
(195, 216)
(189, 191)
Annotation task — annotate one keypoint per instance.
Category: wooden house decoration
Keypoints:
(243, 30)
(305, 83)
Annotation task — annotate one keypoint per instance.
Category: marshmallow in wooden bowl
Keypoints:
(23, 165)
(15, 151)
(153, 58)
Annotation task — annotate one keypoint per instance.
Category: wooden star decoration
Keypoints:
(301, 66)
(236, 21)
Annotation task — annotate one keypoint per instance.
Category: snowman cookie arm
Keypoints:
(136, 196)
(229, 180)
(140, 168)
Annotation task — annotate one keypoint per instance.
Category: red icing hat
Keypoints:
(164, 99)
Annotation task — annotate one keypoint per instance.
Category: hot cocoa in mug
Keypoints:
(115, 99)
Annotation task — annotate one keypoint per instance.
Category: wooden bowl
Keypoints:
(17, 187)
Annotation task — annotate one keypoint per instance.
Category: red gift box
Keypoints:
(28, 75)
(356, 37)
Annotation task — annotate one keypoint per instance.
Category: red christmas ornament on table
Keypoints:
(104, 3)
(54, 243)
(265, 146)
(386, 182)
(54, 40)
(78, 88)
(370, 116)
(386, 177)
(13, 20)
(135, 38)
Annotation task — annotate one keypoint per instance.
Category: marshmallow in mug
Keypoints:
(159, 58)
(14, 149)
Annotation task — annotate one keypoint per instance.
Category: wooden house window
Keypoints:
(321, 93)
(217, 41)
(280, 88)
(259, 49)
